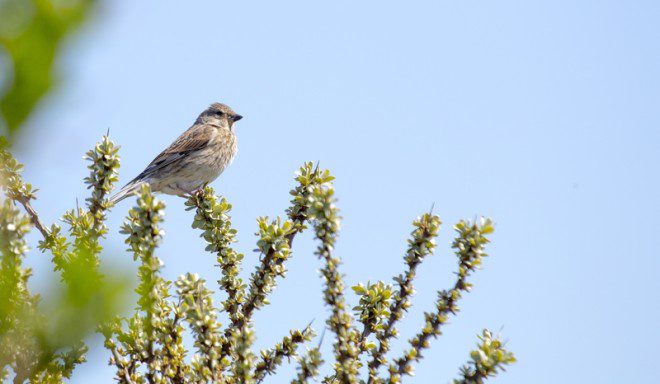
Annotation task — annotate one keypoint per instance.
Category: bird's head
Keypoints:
(219, 114)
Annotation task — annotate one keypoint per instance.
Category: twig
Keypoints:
(469, 248)
(34, 217)
(420, 247)
(178, 377)
(121, 367)
(287, 348)
(251, 302)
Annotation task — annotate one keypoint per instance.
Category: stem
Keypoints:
(252, 300)
(420, 247)
(34, 217)
(121, 367)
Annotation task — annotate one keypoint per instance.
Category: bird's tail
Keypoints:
(128, 190)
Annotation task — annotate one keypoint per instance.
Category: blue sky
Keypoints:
(541, 115)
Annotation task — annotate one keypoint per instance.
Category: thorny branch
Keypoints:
(148, 346)
(34, 217)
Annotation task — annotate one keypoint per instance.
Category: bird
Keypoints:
(194, 159)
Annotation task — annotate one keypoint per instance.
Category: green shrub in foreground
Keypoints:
(44, 344)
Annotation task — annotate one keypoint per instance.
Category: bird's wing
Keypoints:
(195, 138)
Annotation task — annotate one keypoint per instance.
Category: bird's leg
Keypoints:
(200, 190)
(188, 194)
(182, 193)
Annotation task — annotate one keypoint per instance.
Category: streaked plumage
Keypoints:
(194, 159)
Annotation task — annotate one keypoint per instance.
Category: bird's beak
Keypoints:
(235, 118)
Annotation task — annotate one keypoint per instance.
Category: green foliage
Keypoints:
(212, 217)
(271, 358)
(325, 216)
(421, 245)
(147, 346)
(42, 340)
(197, 306)
(308, 366)
(374, 305)
(489, 358)
(31, 33)
(469, 246)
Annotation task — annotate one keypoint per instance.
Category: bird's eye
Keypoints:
(219, 113)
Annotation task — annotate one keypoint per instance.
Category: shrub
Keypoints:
(148, 346)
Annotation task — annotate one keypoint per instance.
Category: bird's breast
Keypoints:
(221, 151)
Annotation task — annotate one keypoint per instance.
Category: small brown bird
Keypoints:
(193, 160)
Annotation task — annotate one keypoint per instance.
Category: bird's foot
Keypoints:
(200, 190)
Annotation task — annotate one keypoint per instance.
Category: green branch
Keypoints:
(469, 246)
(270, 359)
(325, 216)
(487, 360)
(420, 246)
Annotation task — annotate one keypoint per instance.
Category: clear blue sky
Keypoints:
(542, 115)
